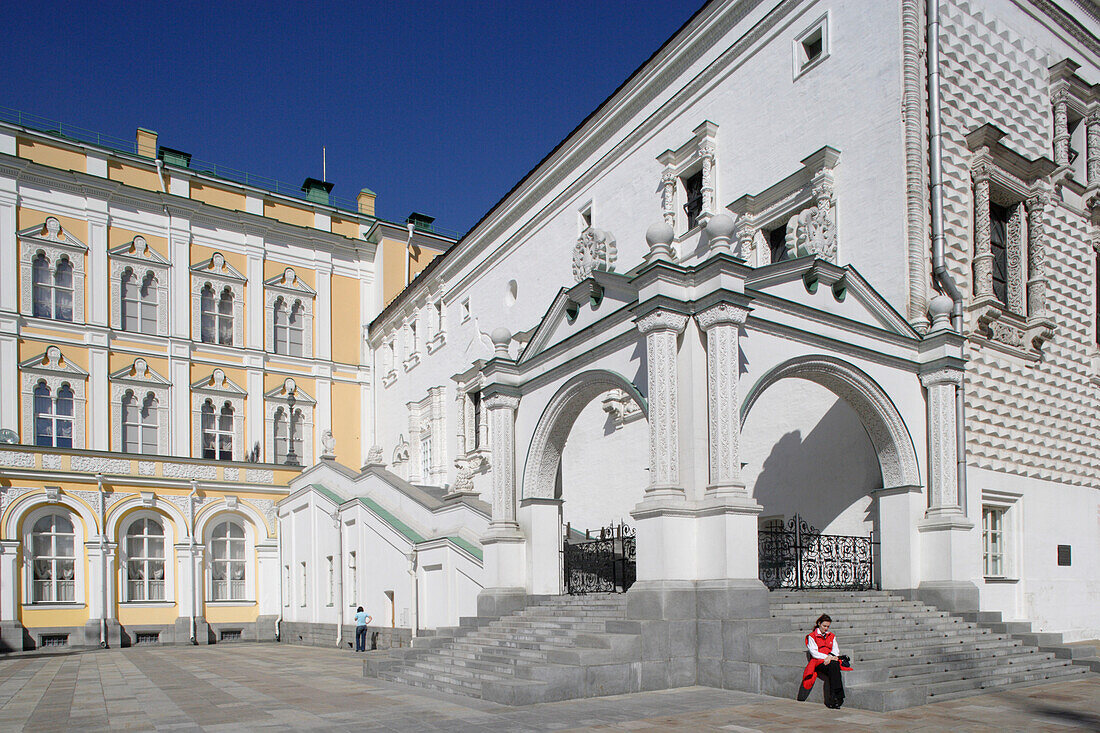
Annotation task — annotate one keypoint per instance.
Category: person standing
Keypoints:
(362, 618)
(825, 660)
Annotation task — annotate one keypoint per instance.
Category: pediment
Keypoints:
(216, 266)
(218, 383)
(283, 391)
(578, 307)
(52, 361)
(51, 232)
(289, 281)
(138, 250)
(840, 291)
(139, 373)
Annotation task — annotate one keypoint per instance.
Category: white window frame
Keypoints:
(54, 242)
(303, 584)
(219, 275)
(169, 558)
(331, 581)
(55, 371)
(802, 63)
(142, 260)
(249, 560)
(148, 419)
(304, 404)
(219, 389)
(1009, 507)
(288, 287)
(428, 416)
(699, 154)
(141, 379)
(29, 521)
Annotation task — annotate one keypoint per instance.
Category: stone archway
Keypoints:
(544, 454)
(894, 445)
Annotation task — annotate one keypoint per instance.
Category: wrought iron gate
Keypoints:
(801, 558)
(605, 563)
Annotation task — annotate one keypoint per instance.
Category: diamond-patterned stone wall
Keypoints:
(1039, 419)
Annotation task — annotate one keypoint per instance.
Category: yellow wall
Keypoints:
(116, 361)
(203, 371)
(236, 259)
(271, 381)
(393, 266)
(69, 352)
(145, 350)
(217, 196)
(345, 418)
(289, 214)
(217, 614)
(117, 236)
(132, 175)
(346, 326)
(29, 217)
(345, 227)
(274, 267)
(53, 156)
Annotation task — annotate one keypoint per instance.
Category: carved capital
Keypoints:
(941, 377)
(722, 313)
(662, 320)
(500, 401)
(980, 170)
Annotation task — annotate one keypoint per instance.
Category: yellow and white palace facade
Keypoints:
(174, 347)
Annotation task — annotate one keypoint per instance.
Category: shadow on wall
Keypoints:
(826, 476)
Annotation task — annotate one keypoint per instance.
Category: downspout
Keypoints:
(103, 556)
(279, 618)
(413, 592)
(194, 593)
(939, 265)
(408, 254)
(338, 593)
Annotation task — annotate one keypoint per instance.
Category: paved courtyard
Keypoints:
(273, 687)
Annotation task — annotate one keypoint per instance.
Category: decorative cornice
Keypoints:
(722, 313)
(662, 320)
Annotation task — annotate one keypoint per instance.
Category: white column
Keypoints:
(661, 327)
(943, 449)
(721, 323)
(268, 578)
(1092, 147)
(1036, 254)
(322, 417)
(540, 520)
(9, 250)
(101, 559)
(9, 583)
(366, 421)
(179, 367)
(96, 310)
(255, 296)
(179, 298)
(255, 428)
(9, 375)
(1061, 126)
(98, 405)
(504, 543)
(322, 312)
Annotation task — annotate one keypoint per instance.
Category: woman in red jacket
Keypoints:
(824, 661)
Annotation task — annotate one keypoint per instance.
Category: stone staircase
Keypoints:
(563, 648)
(904, 653)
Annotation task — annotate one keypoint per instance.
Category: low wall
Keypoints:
(309, 634)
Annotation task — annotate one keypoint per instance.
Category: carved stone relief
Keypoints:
(595, 250)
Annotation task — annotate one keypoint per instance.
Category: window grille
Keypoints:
(146, 637)
(54, 640)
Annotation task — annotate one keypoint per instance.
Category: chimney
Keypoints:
(146, 143)
(366, 199)
(317, 191)
(422, 222)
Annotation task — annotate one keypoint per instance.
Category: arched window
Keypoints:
(145, 561)
(139, 423)
(42, 287)
(296, 328)
(209, 324)
(227, 562)
(282, 327)
(225, 318)
(63, 290)
(139, 302)
(286, 434)
(217, 432)
(149, 303)
(53, 560)
(53, 416)
(289, 328)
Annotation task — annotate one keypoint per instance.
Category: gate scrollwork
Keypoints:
(799, 557)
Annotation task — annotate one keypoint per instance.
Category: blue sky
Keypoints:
(437, 107)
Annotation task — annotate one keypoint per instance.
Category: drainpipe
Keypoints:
(338, 593)
(408, 254)
(939, 266)
(103, 556)
(279, 618)
(194, 593)
(413, 593)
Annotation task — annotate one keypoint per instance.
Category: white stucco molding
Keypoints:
(547, 442)
(288, 286)
(141, 379)
(138, 256)
(697, 154)
(219, 389)
(52, 368)
(279, 397)
(219, 274)
(54, 242)
(893, 442)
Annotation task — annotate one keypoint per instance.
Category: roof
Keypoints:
(400, 527)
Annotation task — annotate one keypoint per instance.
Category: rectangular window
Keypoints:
(331, 581)
(475, 398)
(777, 243)
(353, 580)
(693, 188)
(993, 541)
(302, 584)
(425, 455)
(998, 244)
(286, 585)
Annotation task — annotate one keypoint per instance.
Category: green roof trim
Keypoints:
(468, 547)
(329, 493)
(408, 532)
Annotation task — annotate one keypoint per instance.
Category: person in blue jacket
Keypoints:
(362, 618)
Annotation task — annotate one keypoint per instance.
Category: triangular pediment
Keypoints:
(576, 308)
(218, 383)
(52, 361)
(51, 232)
(282, 392)
(823, 286)
(216, 266)
(289, 281)
(138, 250)
(139, 373)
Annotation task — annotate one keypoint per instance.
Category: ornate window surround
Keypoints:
(291, 288)
(141, 258)
(169, 528)
(698, 153)
(79, 566)
(429, 415)
(220, 275)
(219, 389)
(52, 240)
(1009, 505)
(250, 565)
(413, 339)
(52, 368)
(436, 320)
(1071, 95)
(473, 454)
(803, 202)
(400, 463)
(278, 397)
(1004, 177)
(389, 360)
(141, 379)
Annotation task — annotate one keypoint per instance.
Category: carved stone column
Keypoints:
(1061, 127)
(706, 153)
(983, 255)
(1014, 260)
(1036, 255)
(502, 419)
(943, 477)
(721, 323)
(668, 196)
(661, 327)
(1092, 147)
(746, 233)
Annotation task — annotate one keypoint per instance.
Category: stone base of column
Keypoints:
(183, 630)
(13, 636)
(898, 510)
(661, 600)
(727, 545)
(505, 551)
(665, 531)
(92, 633)
(957, 596)
(732, 598)
(492, 603)
(950, 553)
